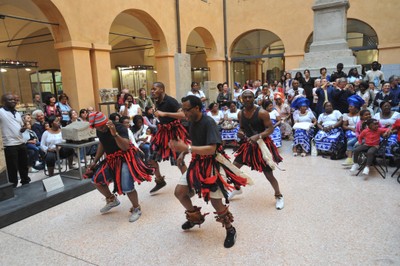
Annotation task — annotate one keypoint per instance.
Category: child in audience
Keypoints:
(371, 135)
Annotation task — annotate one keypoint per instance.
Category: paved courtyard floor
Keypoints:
(330, 218)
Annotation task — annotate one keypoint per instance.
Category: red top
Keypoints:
(396, 125)
(372, 137)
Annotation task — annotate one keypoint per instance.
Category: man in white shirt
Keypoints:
(14, 145)
(375, 75)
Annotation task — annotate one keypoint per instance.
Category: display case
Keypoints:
(15, 77)
(200, 74)
(135, 77)
(50, 82)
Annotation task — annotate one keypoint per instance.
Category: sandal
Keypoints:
(303, 154)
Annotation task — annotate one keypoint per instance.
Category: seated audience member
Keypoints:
(285, 115)
(73, 116)
(32, 145)
(83, 115)
(149, 119)
(130, 108)
(39, 125)
(304, 130)
(124, 120)
(276, 136)
(386, 118)
(50, 139)
(384, 96)
(265, 95)
(215, 113)
(350, 121)
(230, 125)
(144, 101)
(371, 135)
(295, 92)
(139, 132)
(330, 129)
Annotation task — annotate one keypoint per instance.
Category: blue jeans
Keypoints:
(351, 143)
(127, 183)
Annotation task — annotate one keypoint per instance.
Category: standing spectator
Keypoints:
(51, 109)
(299, 77)
(15, 151)
(139, 133)
(324, 94)
(144, 100)
(224, 96)
(120, 99)
(375, 75)
(64, 109)
(195, 90)
(308, 85)
(340, 95)
(324, 74)
(237, 93)
(353, 75)
(287, 85)
(338, 74)
(265, 95)
(37, 101)
(395, 89)
(130, 108)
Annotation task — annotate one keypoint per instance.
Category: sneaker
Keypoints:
(366, 170)
(110, 204)
(348, 162)
(234, 193)
(159, 185)
(33, 170)
(37, 163)
(280, 203)
(354, 168)
(187, 225)
(230, 237)
(136, 212)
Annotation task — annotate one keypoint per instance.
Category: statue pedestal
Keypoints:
(329, 45)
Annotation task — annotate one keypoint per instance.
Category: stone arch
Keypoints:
(136, 39)
(361, 38)
(257, 54)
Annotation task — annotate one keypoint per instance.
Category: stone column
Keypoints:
(76, 72)
(101, 69)
(217, 69)
(329, 45)
(165, 65)
(183, 75)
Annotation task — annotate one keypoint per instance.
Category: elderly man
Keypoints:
(38, 126)
(256, 125)
(340, 95)
(15, 149)
(203, 175)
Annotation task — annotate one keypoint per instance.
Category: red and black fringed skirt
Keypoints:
(204, 176)
(250, 154)
(109, 170)
(160, 150)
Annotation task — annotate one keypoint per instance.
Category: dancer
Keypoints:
(169, 127)
(122, 164)
(203, 176)
(255, 125)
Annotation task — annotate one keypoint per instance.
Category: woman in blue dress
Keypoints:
(350, 121)
(330, 129)
(276, 136)
(305, 121)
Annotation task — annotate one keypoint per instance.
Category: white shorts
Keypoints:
(214, 195)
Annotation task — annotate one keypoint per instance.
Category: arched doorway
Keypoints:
(257, 54)
(135, 39)
(362, 40)
(200, 46)
(27, 36)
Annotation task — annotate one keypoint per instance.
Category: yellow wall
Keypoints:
(85, 26)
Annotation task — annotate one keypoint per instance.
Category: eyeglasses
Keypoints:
(187, 110)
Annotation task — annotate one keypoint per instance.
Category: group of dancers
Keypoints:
(209, 174)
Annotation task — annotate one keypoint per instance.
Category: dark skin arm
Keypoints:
(269, 128)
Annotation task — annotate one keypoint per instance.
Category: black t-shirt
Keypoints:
(169, 105)
(204, 132)
(108, 141)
